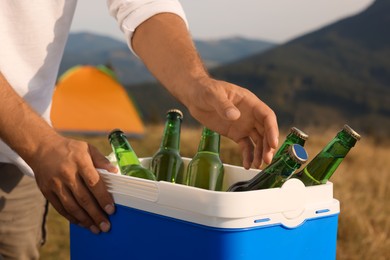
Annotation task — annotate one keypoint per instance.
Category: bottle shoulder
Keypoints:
(205, 160)
(135, 170)
(206, 156)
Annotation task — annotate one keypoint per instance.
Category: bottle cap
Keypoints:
(175, 110)
(352, 132)
(299, 133)
(115, 131)
(298, 153)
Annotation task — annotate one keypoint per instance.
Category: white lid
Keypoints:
(289, 205)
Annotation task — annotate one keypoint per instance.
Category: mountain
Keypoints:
(336, 75)
(218, 52)
(87, 48)
(340, 73)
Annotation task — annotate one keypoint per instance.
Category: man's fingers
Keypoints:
(269, 128)
(82, 198)
(72, 208)
(246, 147)
(100, 161)
(218, 99)
(55, 202)
(268, 152)
(94, 183)
(258, 154)
(267, 125)
(86, 200)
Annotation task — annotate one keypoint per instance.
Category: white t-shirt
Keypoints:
(32, 40)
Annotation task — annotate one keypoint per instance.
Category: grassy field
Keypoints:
(361, 184)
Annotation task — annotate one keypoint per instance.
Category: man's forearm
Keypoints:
(165, 46)
(20, 127)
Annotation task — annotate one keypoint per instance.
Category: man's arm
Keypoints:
(165, 46)
(64, 168)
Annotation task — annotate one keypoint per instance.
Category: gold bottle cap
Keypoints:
(352, 132)
(175, 110)
(298, 153)
(299, 133)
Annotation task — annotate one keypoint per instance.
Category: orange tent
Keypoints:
(89, 100)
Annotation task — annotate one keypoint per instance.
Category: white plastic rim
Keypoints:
(289, 205)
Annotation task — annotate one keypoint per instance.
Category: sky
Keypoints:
(276, 21)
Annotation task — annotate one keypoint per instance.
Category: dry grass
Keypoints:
(361, 184)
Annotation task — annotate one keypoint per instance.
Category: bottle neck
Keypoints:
(171, 135)
(339, 146)
(294, 139)
(284, 166)
(321, 168)
(346, 139)
(124, 153)
(267, 178)
(290, 140)
(210, 141)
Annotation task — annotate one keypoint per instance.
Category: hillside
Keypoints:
(87, 48)
(218, 52)
(340, 73)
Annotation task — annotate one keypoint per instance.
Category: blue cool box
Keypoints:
(161, 220)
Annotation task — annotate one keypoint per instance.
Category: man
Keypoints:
(32, 39)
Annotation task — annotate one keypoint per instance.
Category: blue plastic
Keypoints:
(138, 234)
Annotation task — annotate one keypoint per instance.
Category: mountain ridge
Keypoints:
(338, 73)
(93, 49)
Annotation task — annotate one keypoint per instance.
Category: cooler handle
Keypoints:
(130, 186)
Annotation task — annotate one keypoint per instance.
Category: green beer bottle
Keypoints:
(295, 136)
(205, 170)
(320, 169)
(167, 163)
(275, 174)
(127, 159)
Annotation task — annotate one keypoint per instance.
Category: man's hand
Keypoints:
(64, 168)
(166, 47)
(236, 113)
(65, 173)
